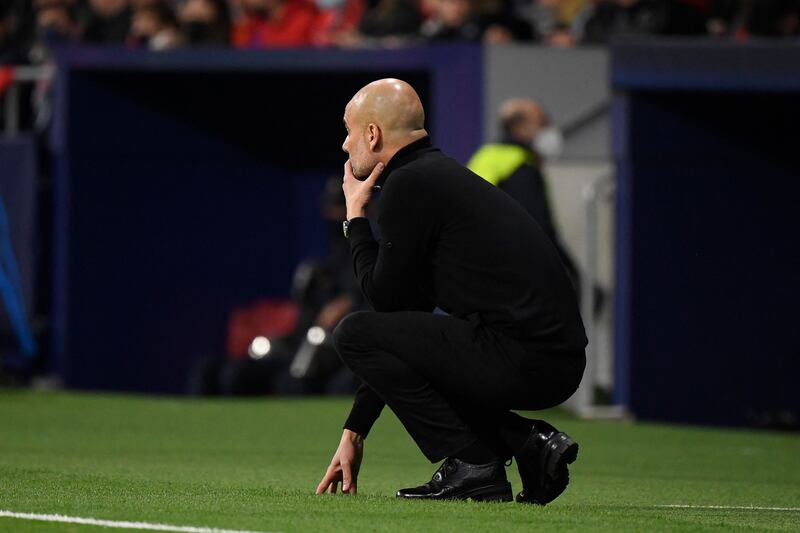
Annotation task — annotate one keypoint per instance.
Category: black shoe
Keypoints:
(457, 480)
(542, 464)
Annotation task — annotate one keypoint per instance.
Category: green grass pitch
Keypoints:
(254, 464)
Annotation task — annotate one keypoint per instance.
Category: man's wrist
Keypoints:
(353, 436)
(356, 213)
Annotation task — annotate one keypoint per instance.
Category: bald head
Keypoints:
(381, 118)
(392, 104)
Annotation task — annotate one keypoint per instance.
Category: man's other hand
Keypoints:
(356, 192)
(344, 465)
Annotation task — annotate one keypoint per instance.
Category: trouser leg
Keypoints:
(501, 430)
(376, 351)
(449, 381)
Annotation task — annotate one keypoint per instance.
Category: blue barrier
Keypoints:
(11, 287)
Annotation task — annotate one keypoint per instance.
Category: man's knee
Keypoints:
(352, 333)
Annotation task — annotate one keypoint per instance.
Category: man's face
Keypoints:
(145, 24)
(55, 19)
(454, 13)
(355, 144)
(533, 121)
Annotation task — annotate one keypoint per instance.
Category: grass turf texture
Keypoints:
(254, 464)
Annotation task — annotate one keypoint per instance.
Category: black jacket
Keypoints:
(452, 240)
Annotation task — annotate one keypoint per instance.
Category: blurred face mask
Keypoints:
(549, 142)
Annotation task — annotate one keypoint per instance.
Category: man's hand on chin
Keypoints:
(356, 192)
(344, 465)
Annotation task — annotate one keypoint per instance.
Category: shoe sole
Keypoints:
(489, 493)
(559, 452)
(562, 452)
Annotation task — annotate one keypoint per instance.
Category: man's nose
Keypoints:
(344, 148)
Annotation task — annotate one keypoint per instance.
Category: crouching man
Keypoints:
(512, 338)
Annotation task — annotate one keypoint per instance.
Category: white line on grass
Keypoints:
(121, 524)
(731, 507)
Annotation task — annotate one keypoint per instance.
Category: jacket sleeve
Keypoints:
(366, 409)
(391, 272)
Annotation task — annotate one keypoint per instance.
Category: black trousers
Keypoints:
(451, 381)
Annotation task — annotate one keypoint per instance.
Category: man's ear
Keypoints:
(374, 137)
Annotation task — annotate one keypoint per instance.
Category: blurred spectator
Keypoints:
(624, 17)
(337, 22)
(502, 22)
(26, 26)
(274, 23)
(154, 27)
(452, 20)
(720, 21)
(249, 23)
(391, 21)
(205, 21)
(55, 25)
(473, 20)
(109, 22)
(514, 164)
(560, 22)
(609, 19)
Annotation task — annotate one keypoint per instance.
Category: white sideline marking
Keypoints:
(731, 507)
(117, 523)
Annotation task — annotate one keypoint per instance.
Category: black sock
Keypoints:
(476, 453)
(516, 433)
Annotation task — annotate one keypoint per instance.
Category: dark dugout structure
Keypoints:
(706, 138)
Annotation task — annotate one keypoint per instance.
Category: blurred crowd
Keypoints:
(29, 27)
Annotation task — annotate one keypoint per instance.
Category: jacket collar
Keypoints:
(407, 154)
